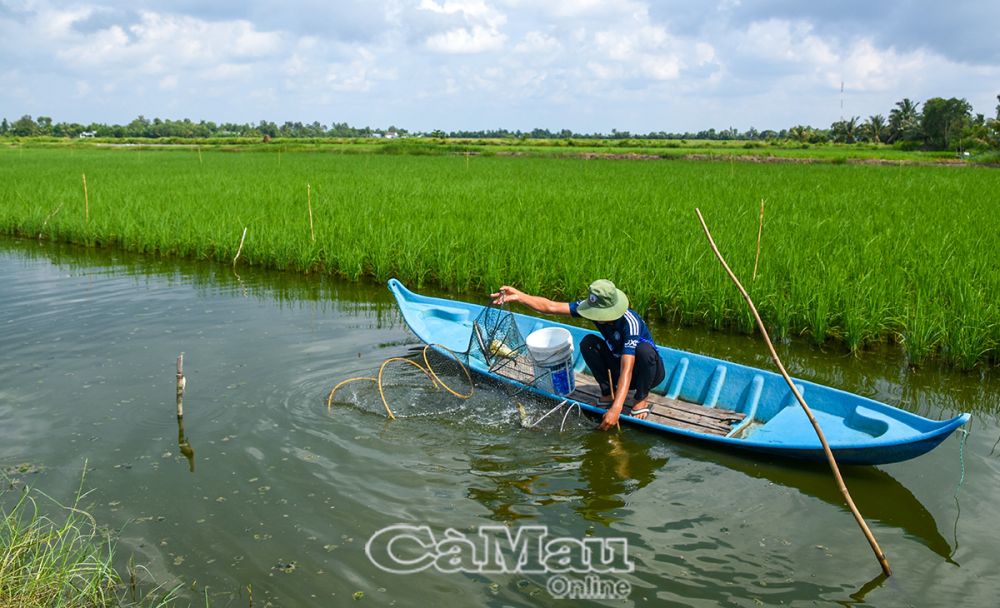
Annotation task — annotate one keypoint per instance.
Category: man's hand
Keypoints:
(506, 294)
(610, 419)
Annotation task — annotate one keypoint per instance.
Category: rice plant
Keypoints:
(851, 254)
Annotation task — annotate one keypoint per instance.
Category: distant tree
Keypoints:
(63, 129)
(140, 127)
(875, 128)
(819, 136)
(993, 129)
(267, 128)
(5, 126)
(24, 127)
(800, 133)
(944, 120)
(845, 131)
(904, 122)
(44, 125)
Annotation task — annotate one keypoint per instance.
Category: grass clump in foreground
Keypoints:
(58, 562)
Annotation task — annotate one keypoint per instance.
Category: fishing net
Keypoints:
(435, 380)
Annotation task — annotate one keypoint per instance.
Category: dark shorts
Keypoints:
(647, 373)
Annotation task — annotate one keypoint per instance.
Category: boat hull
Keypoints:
(858, 429)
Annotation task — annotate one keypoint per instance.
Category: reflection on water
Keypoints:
(184, 445)
(877, 494)
(285, 492)
(611, 470)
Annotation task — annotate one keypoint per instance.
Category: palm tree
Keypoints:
(875, 128)
(800, 133)
(845, 131)
(904, 121)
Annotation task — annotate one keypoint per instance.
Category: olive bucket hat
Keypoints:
(604, 303)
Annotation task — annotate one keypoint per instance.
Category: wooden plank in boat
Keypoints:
(662, 411)
(669, 412)
(721, 414)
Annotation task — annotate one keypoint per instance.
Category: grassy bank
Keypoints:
(758, 151)
(851, 253)
(59, 561)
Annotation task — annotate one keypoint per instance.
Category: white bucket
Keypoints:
(552, 350)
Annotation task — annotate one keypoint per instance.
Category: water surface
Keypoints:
(282, 494)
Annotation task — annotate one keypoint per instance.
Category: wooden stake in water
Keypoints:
(181, 383)
(86, 200)
(611, 383)
(309, 201)
(798, 396)
(760, 230)
(240, 248)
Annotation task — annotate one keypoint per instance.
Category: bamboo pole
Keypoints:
(240, 248)
(309, 202)
(798, 396)
(611, 383)
(760, 231)
(181, 383)
(86, 201)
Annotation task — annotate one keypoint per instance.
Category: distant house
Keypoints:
(88, 134)
(378, 135)
(391, 135)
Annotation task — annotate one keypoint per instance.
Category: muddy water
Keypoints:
(264, 487)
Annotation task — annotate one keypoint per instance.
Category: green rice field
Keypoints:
(851, 254)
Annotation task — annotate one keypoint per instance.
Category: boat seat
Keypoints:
(860, 427)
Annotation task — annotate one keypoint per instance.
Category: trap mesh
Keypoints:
(497, 342)
(433, 380)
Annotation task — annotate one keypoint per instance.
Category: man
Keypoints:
(627, 350)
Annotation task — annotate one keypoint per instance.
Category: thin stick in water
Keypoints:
(760, 230)
(181, 383)
(798, 396)
(240, 248)
(611, 383)
(47, 218)
(86, 200)
(312, 235)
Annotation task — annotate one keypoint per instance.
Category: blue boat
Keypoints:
(710, 400)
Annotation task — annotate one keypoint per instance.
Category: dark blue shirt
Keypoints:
(622, 335)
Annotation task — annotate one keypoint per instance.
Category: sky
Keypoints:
(584, 65)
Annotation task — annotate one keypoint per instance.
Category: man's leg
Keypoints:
(648, 373)
(599, 359)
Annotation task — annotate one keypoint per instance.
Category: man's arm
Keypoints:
(536, 303)
(621, 393)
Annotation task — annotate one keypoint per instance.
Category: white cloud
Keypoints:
(540, 45)
(467, 40)
(783, 40)
(479, 30)
(807, 55)
(161, 40)
(424, 64)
